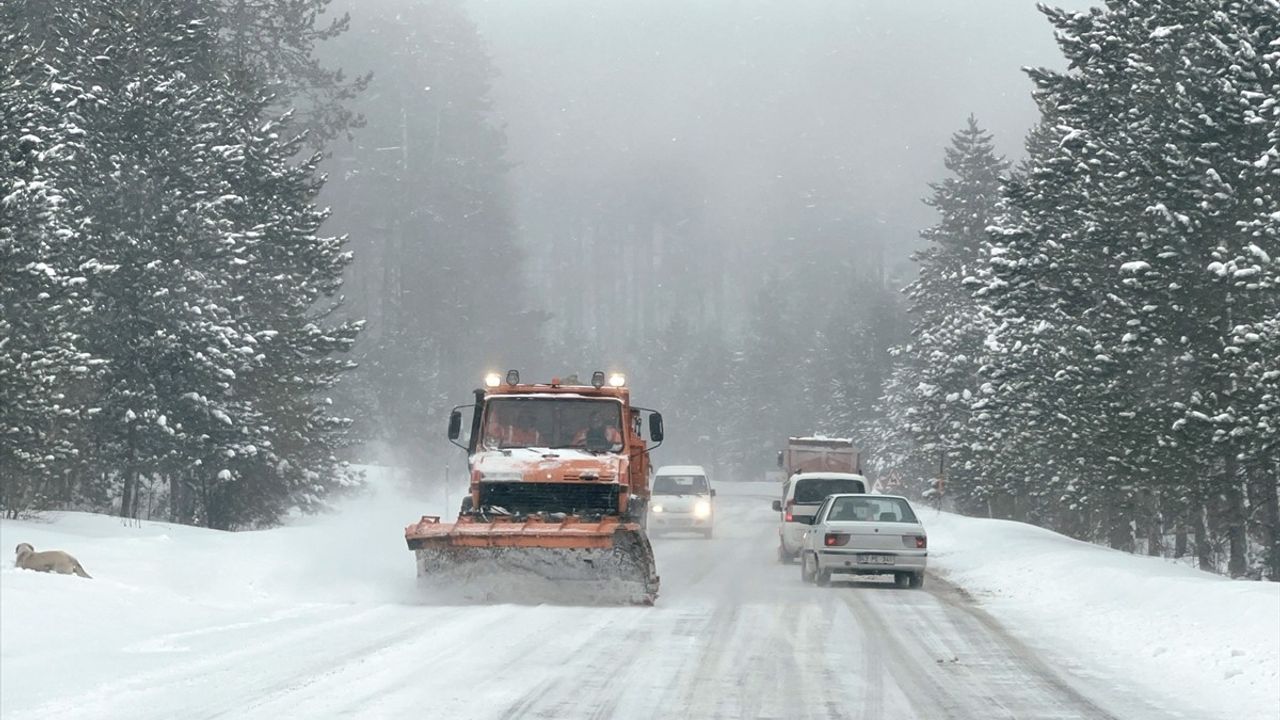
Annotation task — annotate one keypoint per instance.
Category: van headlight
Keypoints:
(702, 509)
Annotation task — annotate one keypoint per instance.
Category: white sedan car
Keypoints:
(859, 534)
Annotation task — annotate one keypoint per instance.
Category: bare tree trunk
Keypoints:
(130, 474)
(126, 493)
(1204, 548)
(1154, 526)
(1234, 514)
(1267, 482)
(1119, 529)
(1180, 536)
(137, 499)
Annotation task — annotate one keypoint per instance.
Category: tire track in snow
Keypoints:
(958, 668)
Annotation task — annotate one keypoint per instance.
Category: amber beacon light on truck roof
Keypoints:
(598, 379)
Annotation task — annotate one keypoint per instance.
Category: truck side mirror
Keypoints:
(777, 506)
(455, 424)
(655, 427)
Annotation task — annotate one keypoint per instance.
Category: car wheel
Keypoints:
(917, 580)
(783, 556)
(824, 578)
(902, 579)
(708, 533)
(806, 573)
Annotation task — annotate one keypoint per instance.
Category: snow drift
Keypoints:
(1201, 639)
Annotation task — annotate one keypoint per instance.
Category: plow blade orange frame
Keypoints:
(605, 560)
(569, 533)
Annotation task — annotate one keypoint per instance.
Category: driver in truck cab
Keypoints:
(598, 433)
(522, 433)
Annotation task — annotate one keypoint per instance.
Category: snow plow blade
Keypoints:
(532, 560)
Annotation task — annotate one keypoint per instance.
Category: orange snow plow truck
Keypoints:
(558, 497)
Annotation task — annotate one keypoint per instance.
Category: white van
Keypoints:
(802, 494)
(681, 501)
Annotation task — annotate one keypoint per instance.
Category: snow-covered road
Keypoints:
(734, 635)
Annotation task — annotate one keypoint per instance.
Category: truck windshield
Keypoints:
(552, 422)
(679, 485)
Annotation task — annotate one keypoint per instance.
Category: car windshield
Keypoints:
(679, 485)
(870, 509)
(552, 422)
(811, 491)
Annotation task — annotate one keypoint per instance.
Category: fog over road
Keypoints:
(734, 635)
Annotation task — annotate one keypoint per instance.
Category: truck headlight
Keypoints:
(501, 477)
(702, 509)
(657, 508)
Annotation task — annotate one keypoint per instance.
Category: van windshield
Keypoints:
(812, 491)
(679, 485)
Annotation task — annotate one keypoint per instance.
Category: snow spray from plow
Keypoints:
(569, 561)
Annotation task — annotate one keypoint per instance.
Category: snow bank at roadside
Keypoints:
(1204, 640)
(151, 577)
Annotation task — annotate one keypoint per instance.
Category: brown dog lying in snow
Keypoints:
(48, 561)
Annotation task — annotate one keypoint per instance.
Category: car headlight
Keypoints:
(702, 509)
(656, 508)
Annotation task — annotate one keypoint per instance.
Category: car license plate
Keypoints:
(875, 559)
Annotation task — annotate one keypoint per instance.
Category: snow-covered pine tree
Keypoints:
(201, 236)
(449, 298)
(939, 365)
(289, 297)
(1160, 126)
(42, 366)
(278, 43)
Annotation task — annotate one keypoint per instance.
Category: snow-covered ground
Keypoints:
(323, 618)
(1210, 642)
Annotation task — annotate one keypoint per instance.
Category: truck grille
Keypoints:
(524, 498)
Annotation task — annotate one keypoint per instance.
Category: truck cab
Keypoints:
(559, 447)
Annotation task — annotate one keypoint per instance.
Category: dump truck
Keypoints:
(819, 454)
(559, 489)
